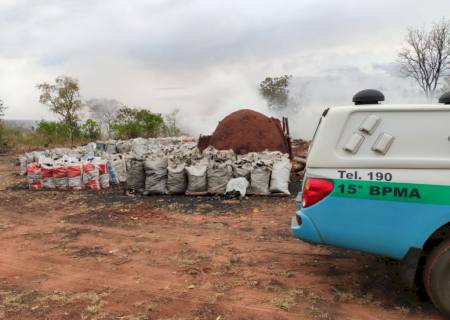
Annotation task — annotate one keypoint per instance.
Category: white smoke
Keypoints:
(221, 95)
(205, 98)
(206, 58)
(337, 88)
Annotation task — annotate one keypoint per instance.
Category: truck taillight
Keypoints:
(315, 190)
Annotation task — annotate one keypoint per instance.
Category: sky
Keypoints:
(207, 57)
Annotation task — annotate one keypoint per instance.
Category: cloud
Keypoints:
(204, 57)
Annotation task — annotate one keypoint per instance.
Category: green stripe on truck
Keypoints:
(392, 191)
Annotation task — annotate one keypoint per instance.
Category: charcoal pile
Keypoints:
(158, 167)
(247, 131)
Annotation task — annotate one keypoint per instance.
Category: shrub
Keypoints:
(91, 130)
(132, 123)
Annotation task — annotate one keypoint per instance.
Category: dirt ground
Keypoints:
(87, 255)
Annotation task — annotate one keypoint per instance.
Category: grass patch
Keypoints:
(283, 303)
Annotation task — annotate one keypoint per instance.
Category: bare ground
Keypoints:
(85, 255)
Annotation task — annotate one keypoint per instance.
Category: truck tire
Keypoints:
(436, 277)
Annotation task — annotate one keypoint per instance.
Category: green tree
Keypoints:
(91, 130)
(53, 132)
(63, 98)
(276, 92)
(132, 123)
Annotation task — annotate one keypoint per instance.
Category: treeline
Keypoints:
(106, 120)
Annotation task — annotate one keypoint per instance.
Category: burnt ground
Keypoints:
(106, 255)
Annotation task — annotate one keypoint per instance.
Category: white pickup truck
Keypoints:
(378, 180)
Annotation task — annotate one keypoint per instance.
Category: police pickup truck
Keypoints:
(377, 180)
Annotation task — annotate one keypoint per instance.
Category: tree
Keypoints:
(2, 113)
(132, 123)
(52, 131)
(63, 98)
(170, 124)
(275, 91)
(426, 56)
(91, 130)
(104, 111)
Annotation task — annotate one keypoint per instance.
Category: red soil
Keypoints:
(103, 255)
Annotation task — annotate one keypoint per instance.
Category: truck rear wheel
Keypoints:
(436, 277)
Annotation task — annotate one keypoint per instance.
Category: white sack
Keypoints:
(104, 181)
(111, 148)
(196, 175)
(260, 178)
(135, 175)
(218, 176)
(119, 167)
(155, 176)
(281, 172)
(242, 171)
(237, 185)
(176, 179)
(123, 147)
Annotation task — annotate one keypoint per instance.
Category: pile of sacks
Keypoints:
(158, 166)
(213, 172)
(86, 152)
(71, 169)
(70, 174)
